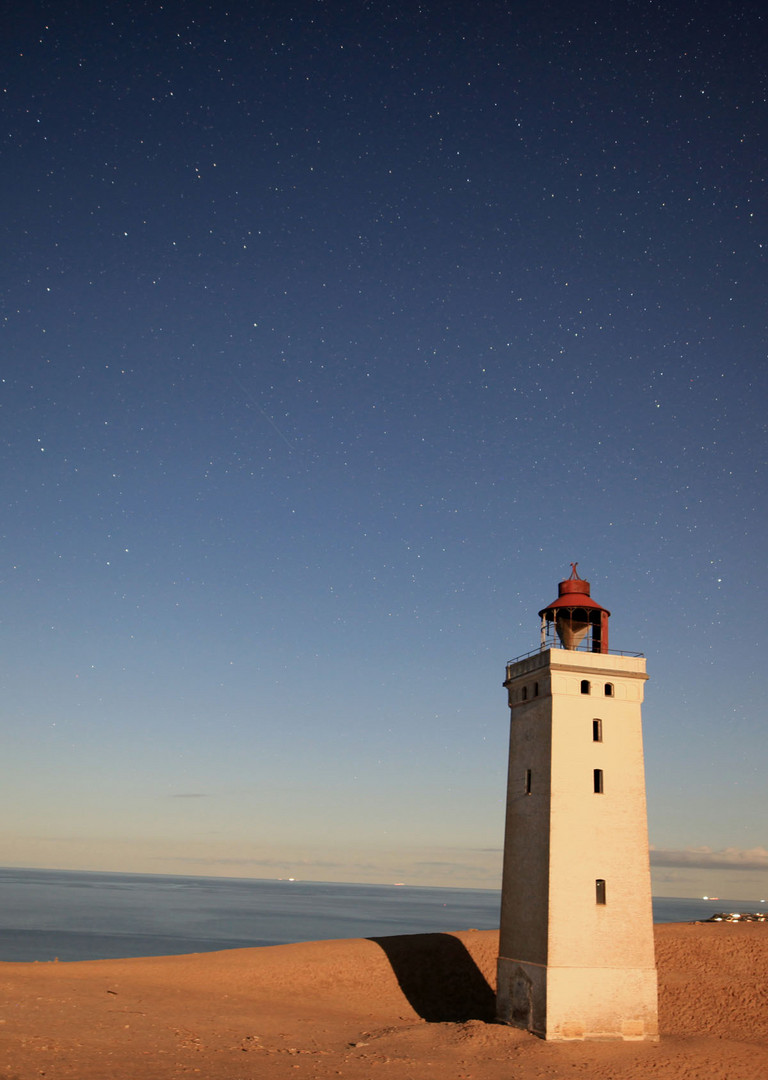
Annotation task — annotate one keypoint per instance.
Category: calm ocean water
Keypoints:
(69, 915)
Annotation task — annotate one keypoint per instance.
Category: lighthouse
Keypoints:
(576, 954)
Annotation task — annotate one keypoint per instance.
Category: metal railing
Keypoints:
(548, 646)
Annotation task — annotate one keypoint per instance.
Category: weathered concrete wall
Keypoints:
(562, 836)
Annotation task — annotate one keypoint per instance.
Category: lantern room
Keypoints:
(574, 620)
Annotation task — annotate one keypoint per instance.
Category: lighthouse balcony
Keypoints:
(581, 651)
(611, 671)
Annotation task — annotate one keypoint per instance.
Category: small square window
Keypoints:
(609, 689)
(585, 686)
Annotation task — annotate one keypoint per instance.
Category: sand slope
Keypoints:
(409, 1008)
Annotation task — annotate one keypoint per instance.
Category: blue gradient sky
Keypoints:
(331, 335)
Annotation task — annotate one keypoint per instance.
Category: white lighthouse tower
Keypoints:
(576, 957)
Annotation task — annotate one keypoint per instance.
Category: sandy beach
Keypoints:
(410, 1008)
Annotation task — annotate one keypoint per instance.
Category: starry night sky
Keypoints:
(331, 334)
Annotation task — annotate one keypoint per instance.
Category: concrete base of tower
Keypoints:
(565, 1004)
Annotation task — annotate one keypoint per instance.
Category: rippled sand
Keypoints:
(408, 1008)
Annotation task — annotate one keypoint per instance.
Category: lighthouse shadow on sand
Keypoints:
(441, 981)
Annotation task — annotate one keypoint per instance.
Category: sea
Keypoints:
(64, 915)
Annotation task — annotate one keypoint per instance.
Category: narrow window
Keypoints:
(600, 890)
(527, 781)
(585, 686)
(597, 731)
(525, 693)
(598, 781)
(535, 689)
(609, 689)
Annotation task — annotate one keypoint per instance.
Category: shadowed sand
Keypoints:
(407, 1008)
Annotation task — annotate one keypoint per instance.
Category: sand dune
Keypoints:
(409, 1008)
